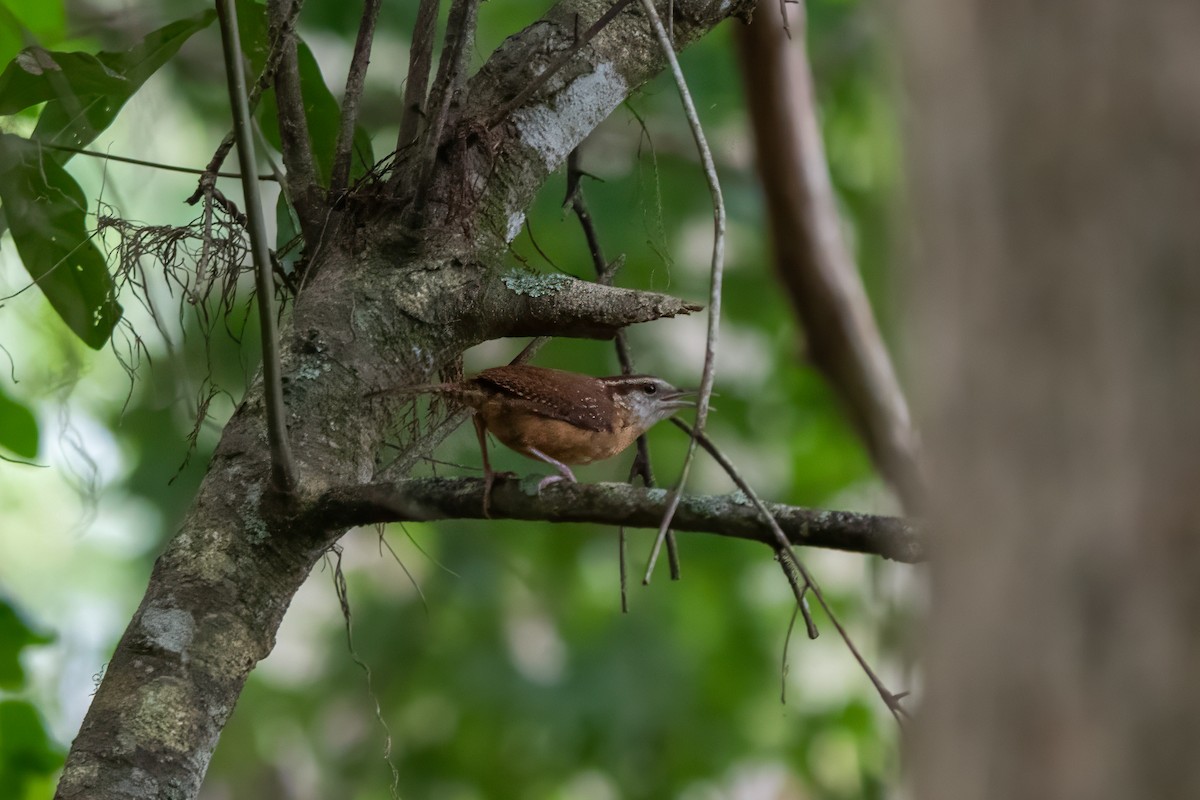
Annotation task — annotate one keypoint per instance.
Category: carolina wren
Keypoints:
(562, 417)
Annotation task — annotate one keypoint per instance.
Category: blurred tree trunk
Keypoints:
(1055, 155)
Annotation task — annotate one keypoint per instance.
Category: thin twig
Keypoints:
(623, 567)
(799, 587)
(788, 560)
(718, 266)
(153, 164)
(783, 546)
(412, 579)
(606, 272)
(783, 665)
(420, 59)
(282, 470)
(340, 173)
(426, 553)
(23, 463)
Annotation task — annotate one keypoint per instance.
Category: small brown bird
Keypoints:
(562, 417)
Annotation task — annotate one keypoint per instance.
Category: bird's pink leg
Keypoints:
(564, 470)
(489, 477)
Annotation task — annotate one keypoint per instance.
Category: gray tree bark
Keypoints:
(386, 306)
(1055, 153)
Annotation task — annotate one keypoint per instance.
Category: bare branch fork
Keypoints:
(452, 73)
(210, 172)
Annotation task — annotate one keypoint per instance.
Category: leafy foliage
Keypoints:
(18, 433)
(43, 205)
(47, 215)
(15, 635)
(23, 24)
(27, 754)
(83, 93)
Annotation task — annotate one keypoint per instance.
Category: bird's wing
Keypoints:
(567, 396)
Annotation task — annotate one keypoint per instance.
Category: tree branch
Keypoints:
(416, 84)
(491, 305)
(616, 504)
(302, 187)
(340, 173)
(578, 308)
(452, 72)
(811, 254)
(510, 161)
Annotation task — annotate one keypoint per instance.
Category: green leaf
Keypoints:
(84, 92)
(27, 752)
(15, 635)
(252, 28)
(23, 24)
(47, 214)
(37, 75)
(18, 433)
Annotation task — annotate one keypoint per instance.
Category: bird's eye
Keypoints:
(650, 388)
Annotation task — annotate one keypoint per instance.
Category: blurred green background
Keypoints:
(503, 668)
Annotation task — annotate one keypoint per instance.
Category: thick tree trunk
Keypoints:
(1056, 165)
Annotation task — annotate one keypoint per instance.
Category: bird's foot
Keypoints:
(549, 479)
(489, 480)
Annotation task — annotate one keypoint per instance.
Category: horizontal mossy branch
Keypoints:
(617, 504)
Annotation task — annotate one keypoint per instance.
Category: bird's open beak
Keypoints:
(678, 399)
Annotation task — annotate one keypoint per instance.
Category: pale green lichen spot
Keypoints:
(535, 284)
